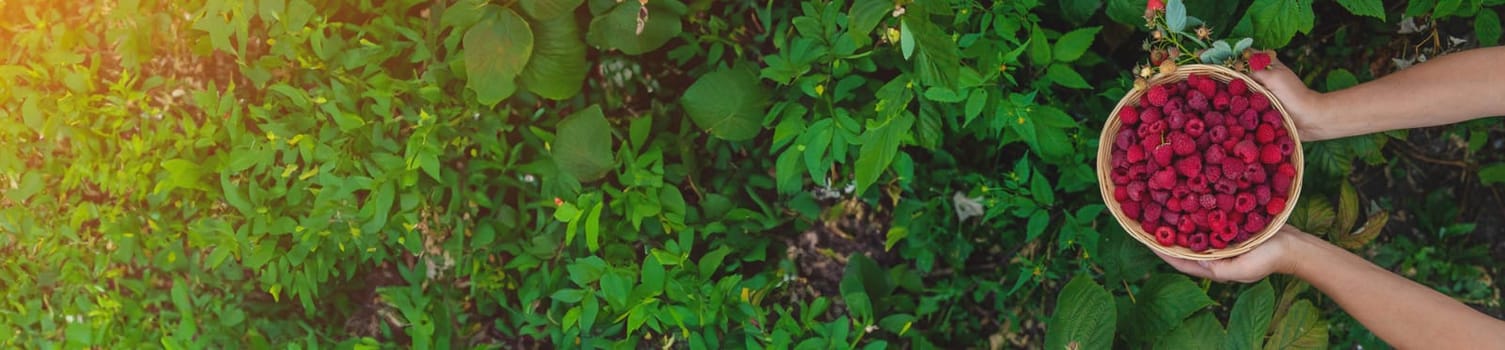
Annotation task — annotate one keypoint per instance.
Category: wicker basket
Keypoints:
(1104, 166)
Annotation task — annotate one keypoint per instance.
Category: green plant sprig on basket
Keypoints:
(1178, 39)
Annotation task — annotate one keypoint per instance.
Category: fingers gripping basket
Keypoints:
(1135, 229)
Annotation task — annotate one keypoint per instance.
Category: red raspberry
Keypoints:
(1218, 133)
(1135, 170)
(1171, 217)
(1152, 212)
(1255, 222)
(1213, 155)
(1131, 209)
(1136, 190)
(1238, 87)
(1271, 117)
(1216, 242)
(1128, 115)
(1176, 119)
(1180, 191)
(1246, 151)
(1275, 205)
(1120, 193)
(1259, 61)
(1189, 166)
(1255, 173)
(1228, 233)
(1248, 120)
(1217, 219)
(1208, 87)
(1286, 169)
(1174, 104)
(1220, 101)
(1244, 202)
(1197, 183)
(1238, 104)
(1270, 154)
(1233, 169)
(1197, 242)
(1149, 115)
(1286, 145)
(1186, 226)
(1197, 100)
(1164, 179)
(1258, 102)
(1262, 194)
(1195, 127)
(1264, 133)
(1135, 154)
(1208, 200)
(1124, 139)
(1225, 186)
(1165, 236)
(1281, 183)
(1163, 154)
(1226, 201)
(1212, 171)
(1159, 196)
(1157, 95)
(1183, 144)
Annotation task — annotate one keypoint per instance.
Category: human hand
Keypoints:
(1304, 104)
(1277, 255)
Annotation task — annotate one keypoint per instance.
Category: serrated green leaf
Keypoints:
(1275, 22)
(1084, 317)
(1250, 317)
(1078, 11)
(727, 103)
(1163, 302)
(1371, 8)
(1487, 27)
(1199, 332)
(496, 50)
(1123, 258)
(879, 146)
(618, 29)
(1066, 76)
(1340, 78)
(1070, 46)
(545, 10)
(1348, 208)
(558, 67)
(1300, 328)
(583, 145)
(1315, 215)
(1039, 47)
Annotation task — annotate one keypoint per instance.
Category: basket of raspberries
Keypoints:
(1200, 163)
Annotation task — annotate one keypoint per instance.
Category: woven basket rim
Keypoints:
(1104, 165)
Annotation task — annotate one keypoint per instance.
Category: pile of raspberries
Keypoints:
(1202, 164)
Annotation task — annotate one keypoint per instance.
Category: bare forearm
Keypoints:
(1403, 313)
(1445, 90)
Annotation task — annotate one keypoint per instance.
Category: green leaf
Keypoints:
(496, 50)
(728, 103)
(1371, 8)
(1163, 302)
(906, 39)
(1084, 317)
(1072, 45)
(1492, 174)
(1313, 215)
(1039, 48)
(181, 173)
(894, 235)
(615, 286)
(1037, 223)
(1446, 8)
(557, 69)
(593, 227)
(1251, 317)
(1348, 208)
(1277, 21)
(1339, 79)
(582, 147)
(568, 295)
(545, 10)
(1199, 332)
(618, 29)
(975, 103)
(1078, 11)
(1127, 12)
(1066, 76)
(31, 184)
(865, 15)
(939, 60)
(879, 146)
(1175, 15)
(1487, 27)
(862, 283)
(1300, 328)
(590, 309)
(711, 261)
